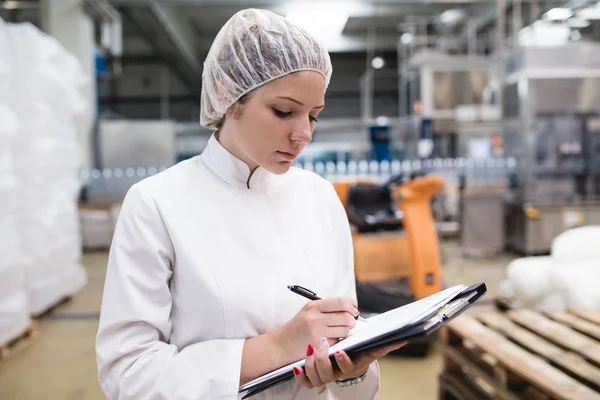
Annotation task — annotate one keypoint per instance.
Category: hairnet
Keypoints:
(253, 48)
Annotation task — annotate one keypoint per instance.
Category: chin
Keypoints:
(279, 168)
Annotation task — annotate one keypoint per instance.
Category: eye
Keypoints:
(281, 114)
(312, 119)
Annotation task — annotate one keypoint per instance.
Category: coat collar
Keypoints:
(231, 169)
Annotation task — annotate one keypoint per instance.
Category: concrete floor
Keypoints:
(60, 363)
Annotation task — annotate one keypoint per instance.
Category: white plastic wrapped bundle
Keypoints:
(567, 279)
(45, 96)
(4, 66)
(53, 76)
(10, 196)
(577, 244)
(576, 266)
(529, 280)
(14, 312)
(578, 284)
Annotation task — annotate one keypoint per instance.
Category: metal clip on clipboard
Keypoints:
(448, 311)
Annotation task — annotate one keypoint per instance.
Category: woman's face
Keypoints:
(272, 127)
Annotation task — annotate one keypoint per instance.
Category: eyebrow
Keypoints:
(296, 101)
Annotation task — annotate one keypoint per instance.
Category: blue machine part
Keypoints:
(381, 142)
(425, 143)
(100, 63)
(426, 129)
(101, 71)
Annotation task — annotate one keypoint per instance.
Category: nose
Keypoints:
(302, 131)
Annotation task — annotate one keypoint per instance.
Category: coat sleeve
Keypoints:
(369, 388)
(134, 356)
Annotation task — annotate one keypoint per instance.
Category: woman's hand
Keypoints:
(331, 318)
(319, 370)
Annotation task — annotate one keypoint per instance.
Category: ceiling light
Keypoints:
(544, 33)
(452, 17)
(382, 120)
(325, 21)
(10, 5)
(558, 14)
(406, 38)
(378, 62)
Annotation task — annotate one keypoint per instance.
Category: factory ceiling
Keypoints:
(181, 31)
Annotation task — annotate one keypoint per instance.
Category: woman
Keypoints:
(196, 301)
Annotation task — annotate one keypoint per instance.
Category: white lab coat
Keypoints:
(200, 261)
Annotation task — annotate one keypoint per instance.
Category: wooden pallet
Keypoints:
(522, 354)
(20, 342)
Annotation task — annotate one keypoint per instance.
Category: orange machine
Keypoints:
(412, 253)
(343, 187)
(414, 199)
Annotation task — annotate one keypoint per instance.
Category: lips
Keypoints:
(288, 156)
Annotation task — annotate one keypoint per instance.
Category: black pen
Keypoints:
(304, 292)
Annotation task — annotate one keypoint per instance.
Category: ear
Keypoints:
(232, 110)
(236, 110)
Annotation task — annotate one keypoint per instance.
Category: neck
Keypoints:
(226, 137)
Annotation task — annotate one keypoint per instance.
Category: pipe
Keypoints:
(368, 78)
(165, 105)
(103, 9)
(111, 25)
(517, 22)
(500, 28)
(19, 5)
(535, 11)
(400, 67)
(472, 38)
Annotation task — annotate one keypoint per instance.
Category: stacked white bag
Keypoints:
(568, 278)
(576, 267)
(14, 313)
(45, 96)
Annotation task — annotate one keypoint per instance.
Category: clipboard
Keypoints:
(419, 318)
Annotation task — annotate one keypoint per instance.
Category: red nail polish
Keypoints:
(354, 306)
(296, 371)
(310, 351)
(338, 353)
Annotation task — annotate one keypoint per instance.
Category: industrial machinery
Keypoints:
(396, 249)
(128, 152)
(439, 89)
(450, 111)
(551, 111)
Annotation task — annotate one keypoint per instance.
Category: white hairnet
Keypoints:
(255, 47)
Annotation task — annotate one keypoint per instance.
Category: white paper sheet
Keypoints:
(377, 326)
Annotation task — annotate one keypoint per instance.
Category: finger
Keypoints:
(337, 332)
(301, 378)
(324, 367)
(340, 319)
(386, 350)
(344, 362)
(396, 346)
(310, 367)
(336, 304)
